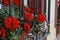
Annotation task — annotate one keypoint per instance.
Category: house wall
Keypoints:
(25, 2)
(52, 34)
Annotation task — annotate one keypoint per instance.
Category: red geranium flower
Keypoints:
(38, 10)
(32, 9)
(3, 29)
(26, 27)
(2, 32)
(6, 2)
(28, 16)
(26, 9)
(40, 18)
(16, 2)
(11, 23)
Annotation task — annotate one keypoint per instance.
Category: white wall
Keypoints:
(0, 6)
(52, 35)
(25, 2)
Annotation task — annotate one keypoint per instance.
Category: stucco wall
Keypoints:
(52, 35)
(25, 2)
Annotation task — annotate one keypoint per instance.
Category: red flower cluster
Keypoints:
(40, 18)
(11, 23)
(26, 9)
(32, 9)
(28, 16)
(2, 32)
(16, 2)
(38, 10)
(6, 2)
(26, 27)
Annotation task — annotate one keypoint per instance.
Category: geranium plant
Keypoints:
(9, 24)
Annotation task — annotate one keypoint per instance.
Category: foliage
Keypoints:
(12, 23)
